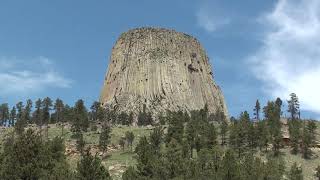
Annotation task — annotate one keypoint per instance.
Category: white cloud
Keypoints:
(289, 59)
(210, 20)
(29, 76)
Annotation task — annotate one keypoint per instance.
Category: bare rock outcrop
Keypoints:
(163, 69)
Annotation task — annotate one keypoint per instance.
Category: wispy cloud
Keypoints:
(289, 59)
(29, 75)
(210, 20)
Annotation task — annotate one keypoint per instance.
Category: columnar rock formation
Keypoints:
(163, 69)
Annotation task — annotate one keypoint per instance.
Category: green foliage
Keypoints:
(123, 118)
(295, 172)
(80, 143)
(295, 134)
(257, 110)
(176, 128)
(272, 114)
(80, 121)
(90, 167)
(129, 138)
(294, 106)
(104, 138)
(28, 157)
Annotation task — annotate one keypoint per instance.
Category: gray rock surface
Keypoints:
(162, 69)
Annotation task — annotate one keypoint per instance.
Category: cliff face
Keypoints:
(163, 69)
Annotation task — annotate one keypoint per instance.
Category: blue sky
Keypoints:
(259, 49)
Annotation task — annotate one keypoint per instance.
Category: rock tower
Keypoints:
(161, 69)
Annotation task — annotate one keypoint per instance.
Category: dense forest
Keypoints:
(195, 145)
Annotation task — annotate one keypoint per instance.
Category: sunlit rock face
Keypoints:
(161, 69)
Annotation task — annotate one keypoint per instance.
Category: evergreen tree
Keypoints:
(46, 108)
(13, 116)
(27, 112)
(27, 157)
(4, 114)
(239, 134)
(176, 128)
(80, 143)
(295, 172)
(174, 160)
(274, 168)
(97, 112)
(80, 121)
(295, 134)
(263, 135)
(257, 110)
(37, 114)
(294, 106)
(272, 115)
(156, 139)
(229, 166)
(105, 138)
(21, 123)
(279, 104)
(59, 115)
(145, 158)
(308, 138)
(224, 128)
(130, 138)
(90, 167)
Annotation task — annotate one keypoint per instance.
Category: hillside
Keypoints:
(117, 160)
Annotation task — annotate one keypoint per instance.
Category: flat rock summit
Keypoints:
(161, 69)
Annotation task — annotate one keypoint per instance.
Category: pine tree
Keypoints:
(21, 123)
(28, 157)
(4, 114)
(295, 134)
(294, 106)
(263, 135)
(37, 114)
(174, 159)
(80, 121)
(308, 138)
(27, 112)
(229, 166)
(59, 115)
(130, 138)
(257, 110)
(176, 128)
(145, 158)
(90, 167)
(13, 116)
(272, 116)
(80, 143)
(46, 108)
(156, 138)
(98, 112)
(224, 128)
(295, 172)
(105, 138)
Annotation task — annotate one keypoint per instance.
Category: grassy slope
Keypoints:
(118, 160)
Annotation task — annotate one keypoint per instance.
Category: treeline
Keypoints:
(195, 145)
(194, 148)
